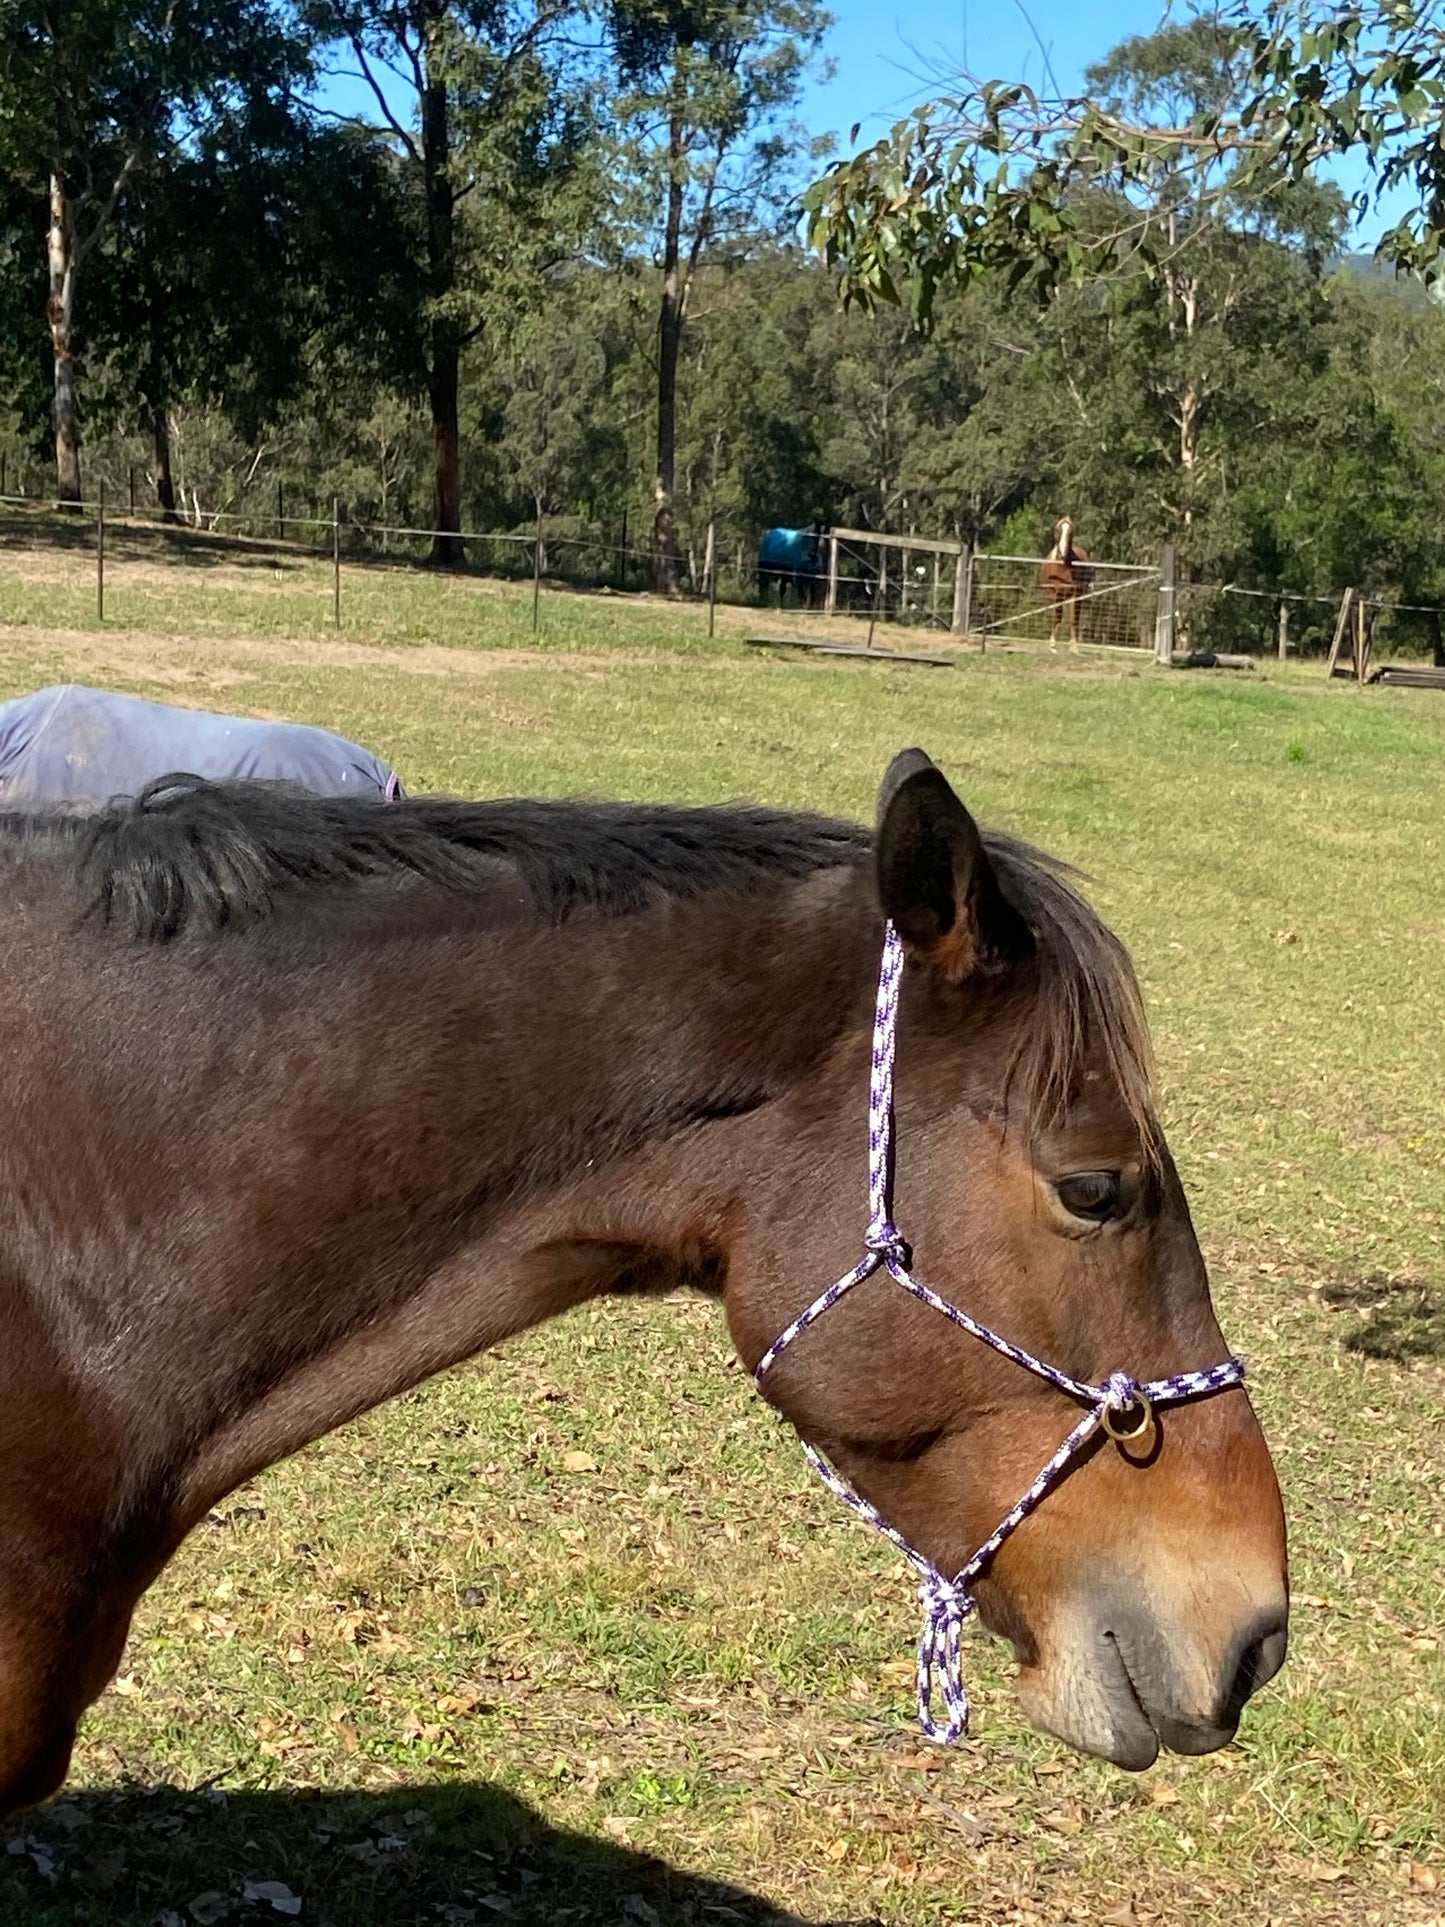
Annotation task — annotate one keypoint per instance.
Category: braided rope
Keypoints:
(948, 1604)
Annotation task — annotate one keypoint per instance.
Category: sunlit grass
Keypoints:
(688, 1652)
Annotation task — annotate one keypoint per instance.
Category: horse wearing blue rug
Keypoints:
(70, 747)
(793, 558)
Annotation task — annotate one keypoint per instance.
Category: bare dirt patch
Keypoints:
(178, 661)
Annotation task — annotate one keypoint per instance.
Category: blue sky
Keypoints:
(888, 58)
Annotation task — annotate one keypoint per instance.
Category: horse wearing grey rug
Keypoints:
(70, 747)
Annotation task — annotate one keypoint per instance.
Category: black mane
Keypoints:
(189, 853)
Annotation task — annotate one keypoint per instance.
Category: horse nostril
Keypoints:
(1258, 1655)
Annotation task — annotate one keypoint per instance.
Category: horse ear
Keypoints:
(935, 881)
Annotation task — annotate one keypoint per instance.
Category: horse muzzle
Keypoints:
(1120, 1681)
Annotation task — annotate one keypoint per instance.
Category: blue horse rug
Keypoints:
(70, 747)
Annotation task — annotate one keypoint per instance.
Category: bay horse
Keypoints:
(1064, 577)
(302, 1101)
(71, 746)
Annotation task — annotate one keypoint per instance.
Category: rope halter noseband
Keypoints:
(1122, 1407)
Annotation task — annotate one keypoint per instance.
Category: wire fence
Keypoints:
(549, 556)
(981, 597)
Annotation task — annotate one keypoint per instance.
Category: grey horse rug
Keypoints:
(69, 747)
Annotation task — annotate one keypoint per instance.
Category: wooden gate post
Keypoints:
(962, 590)
(1283, 629)
(1164, 613)
(831, 605)
(1342, 629)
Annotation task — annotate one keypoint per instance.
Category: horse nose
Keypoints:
(1256, 1657)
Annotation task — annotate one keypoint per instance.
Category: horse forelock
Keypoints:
(1086, 1006)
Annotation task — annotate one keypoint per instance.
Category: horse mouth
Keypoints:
(1118, 1698)
(1134, 1733)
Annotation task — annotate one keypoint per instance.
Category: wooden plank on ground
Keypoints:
(820, 648)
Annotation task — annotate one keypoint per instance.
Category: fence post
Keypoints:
(280, 511)
(830, 606)
(1362, 638)
(710, 570)
(336, 560)
(537, 574)
(1164, 614)
(100, 557)
(622, 553)
(962, 589)
(1283, 629)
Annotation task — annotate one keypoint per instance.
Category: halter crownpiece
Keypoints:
(1122, 1407)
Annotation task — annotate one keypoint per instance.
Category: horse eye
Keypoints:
(1096, 1195)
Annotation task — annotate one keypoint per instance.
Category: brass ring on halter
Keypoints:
(1130, 1424)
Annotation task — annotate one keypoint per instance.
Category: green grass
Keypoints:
(424, 1673)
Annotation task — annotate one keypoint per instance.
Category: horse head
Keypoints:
(1145, 1597)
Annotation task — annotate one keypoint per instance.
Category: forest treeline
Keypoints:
(554, 272)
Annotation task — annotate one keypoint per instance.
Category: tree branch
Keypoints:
(388, 116)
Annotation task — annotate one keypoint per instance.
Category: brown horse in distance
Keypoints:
(1065, 577)
(302, 1101)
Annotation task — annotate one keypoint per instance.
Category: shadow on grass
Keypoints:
(435, 1857)
(1395, 1319)
(486, 558)
(29, 532)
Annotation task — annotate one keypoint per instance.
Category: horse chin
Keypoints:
(1088, 1701)
(1112, 1681)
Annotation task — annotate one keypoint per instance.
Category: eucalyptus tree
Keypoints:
(99, 96)
(706, 94)
(993, 176)
(262, 260)
(483, 100)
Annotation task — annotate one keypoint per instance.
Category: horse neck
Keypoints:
(566, 1112)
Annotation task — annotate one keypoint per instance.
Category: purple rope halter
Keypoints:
(1121, 1406)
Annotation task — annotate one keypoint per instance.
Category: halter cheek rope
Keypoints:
(1121, 1407)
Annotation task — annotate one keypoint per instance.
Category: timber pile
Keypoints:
(1399, 677)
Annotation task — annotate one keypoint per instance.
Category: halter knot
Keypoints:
(946, 1604)
(1121, 1393)
(887, 1242)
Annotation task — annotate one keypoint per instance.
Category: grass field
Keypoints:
(431, 1671)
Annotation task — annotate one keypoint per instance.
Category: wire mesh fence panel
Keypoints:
(1028, 598)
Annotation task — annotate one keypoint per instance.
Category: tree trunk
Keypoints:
(447, 550)
(60, 254)
(165, 485)
(669, 343)
(445, 375)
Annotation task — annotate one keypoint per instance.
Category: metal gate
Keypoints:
(1117, 602)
